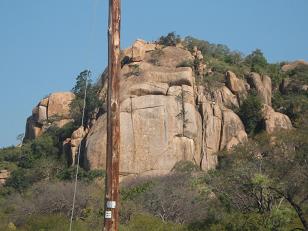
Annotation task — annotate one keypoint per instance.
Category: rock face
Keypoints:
(275, 121)
(263, 86)
(165, 117)
(138, 50)
(293, 65)
(71, 145)
(4, 175)
(221, 128)
(52, 110)
(237, 86)
(160, 119)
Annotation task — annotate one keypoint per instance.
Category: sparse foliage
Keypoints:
(92, 103)
(172, 39)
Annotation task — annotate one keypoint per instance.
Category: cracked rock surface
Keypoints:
(165, 118)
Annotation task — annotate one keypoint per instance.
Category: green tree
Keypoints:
(250, 113)
(93, 103)
(268, 177)
(257, 61)
(172, 39)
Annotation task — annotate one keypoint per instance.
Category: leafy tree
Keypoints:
(276, 74)
(234, 58)
(93, 103)
(266, 176)
(20, 179)
(250, 113)
(257, 61)
(172, 39)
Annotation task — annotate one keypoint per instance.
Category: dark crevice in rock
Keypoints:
(143, 108)
(133, 130)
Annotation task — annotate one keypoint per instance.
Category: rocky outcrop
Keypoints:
(164, 120)
(52, 110)
(291, 66)
(237, 86)
(263, 86)
(4, 175)
(275, 121)
(292, 85)
(221, 128)
(159, 120)
(71, 145)
(199, 62)
(138, 50)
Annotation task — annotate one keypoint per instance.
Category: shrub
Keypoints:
(257, 61)
(185, 167)
(20, 179)
(172, 198)
(216, 51)
(142, 222)
(212, 82)
(134, 70)
(276, 74)
(53, 199)
(133, 192)
(9, 154)
(53, 223)
(155, 56)
(172, 39)
(44, 147)
(299, 73)
(68, 174)
(250, 113)
(186, 63)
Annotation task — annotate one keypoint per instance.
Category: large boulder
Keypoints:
(4, 175)
(169, 57)
(236, 85)
(74, 144)
(291, 66)
(275, 121)
(52, 110)
(160, 124)
(58, 105)
(153, 136)
(138, 50)
(263, 85)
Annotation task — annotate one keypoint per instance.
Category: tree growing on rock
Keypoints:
(257, 61)
(92, 101)
(172, 39)
(250, 113)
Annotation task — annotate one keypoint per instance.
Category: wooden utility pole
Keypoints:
(111, 220)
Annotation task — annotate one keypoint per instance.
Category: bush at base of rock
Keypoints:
(250, 113)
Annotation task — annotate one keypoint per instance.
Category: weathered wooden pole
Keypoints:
(111, 219)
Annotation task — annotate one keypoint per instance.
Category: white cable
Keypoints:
(78, 155)
(82, 119)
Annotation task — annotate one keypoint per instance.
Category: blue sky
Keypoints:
(44, 44)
